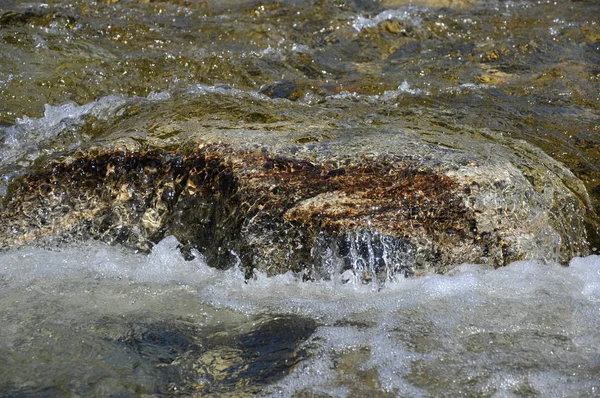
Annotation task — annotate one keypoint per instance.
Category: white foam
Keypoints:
(466, 324)
(402, 89)
(29, 130)
(588, 270)
(404, 14)
(224, 89)
(159, 96)
(327, 299)
(387, 95)
(29, 138)
(467, 87)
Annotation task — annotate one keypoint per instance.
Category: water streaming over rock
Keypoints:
(258, 198)
(98, 320)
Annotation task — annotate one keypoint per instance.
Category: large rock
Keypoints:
(316, 198)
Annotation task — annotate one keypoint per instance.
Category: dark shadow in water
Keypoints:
(169, 358)
(265, 354)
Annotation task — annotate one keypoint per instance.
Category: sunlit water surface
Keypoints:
(96, 320)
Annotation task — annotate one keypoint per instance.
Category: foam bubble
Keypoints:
(224, 89)
(403, 14)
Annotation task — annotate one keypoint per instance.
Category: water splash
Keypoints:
(405, 14)
(437, 334)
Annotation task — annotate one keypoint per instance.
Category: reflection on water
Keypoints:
(99, 320)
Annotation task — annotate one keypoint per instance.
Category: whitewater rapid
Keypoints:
(527, 328)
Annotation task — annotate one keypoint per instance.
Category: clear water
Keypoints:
(98, 320)
(94, 320)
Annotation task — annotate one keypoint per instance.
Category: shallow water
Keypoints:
(93, 320)
(526, 69)
(98, 320)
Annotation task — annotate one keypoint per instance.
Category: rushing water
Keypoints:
(87, 319)
(98, 320)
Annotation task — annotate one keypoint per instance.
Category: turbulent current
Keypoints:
(99, 321)
(328, 198)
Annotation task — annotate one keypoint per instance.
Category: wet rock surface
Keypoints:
(378, 136)
(380, 202)
(349, 141)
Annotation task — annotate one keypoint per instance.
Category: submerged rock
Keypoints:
(133, 355)
(287, 89)
(381, 202)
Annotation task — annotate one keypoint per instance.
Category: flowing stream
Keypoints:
(99, 321)
(80, 317)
